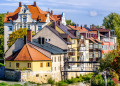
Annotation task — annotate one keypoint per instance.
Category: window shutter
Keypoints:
(50, 64)
(46, 64)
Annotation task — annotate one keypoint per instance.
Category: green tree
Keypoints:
(112, 21)
(69, 22)
(17, 34)
(1, 46)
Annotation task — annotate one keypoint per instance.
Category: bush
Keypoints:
(51, 81)
(1, 64)
(3, 84)
(97, 81)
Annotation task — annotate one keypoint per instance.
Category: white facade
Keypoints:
(25, 20)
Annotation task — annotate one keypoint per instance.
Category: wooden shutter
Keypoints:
(46, 64)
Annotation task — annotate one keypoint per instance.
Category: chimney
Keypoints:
(59, 22)
(29, 35)
(34, 4)
(25, 39)
(20, 4)
(75, 25)
(98, 34)
(51, 12)
(54, 25)
(81, 26)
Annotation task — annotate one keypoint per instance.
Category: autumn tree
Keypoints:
(17, 34)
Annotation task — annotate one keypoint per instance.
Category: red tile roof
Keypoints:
(36, 14)
(100, 29)
(28, 53)
(78, 28)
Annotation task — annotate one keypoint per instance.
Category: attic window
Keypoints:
(24, 10)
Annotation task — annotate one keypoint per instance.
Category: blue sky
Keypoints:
(79, 11)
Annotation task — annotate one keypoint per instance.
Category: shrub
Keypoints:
(1, 64)
(51, 81)
(62, 83)
(3, 84)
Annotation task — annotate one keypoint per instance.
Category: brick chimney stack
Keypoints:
(20, 4)
(54, 25)
(34, 4)
(59, 22)
(29, 35)
(75, 25)
(81, 26)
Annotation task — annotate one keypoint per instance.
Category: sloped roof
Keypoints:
(100, 29)
(48, 47)
(36, 14)
(66, 30)
(78, 28)
(29, 53)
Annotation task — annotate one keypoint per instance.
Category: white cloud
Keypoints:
(93, 13)
(8, 4)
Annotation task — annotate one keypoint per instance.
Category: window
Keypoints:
(55, 59)
(17, 65)
(24, 26)
(48, 64)
(29, 65)
(39, 27)
(41, 64)
(28, 26)
(24, 19)
(37, 75)
(73, 41)
(10, 28)
(20, 25)
(9, 64)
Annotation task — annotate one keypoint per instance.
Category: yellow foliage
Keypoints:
(17, 34)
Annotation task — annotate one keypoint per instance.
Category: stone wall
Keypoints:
(27, 75)
(12, 75)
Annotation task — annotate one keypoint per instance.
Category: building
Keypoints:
(108, 38)
(34, 60)
(28, 16)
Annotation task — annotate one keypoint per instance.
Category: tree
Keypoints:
(1, 45)
(17, 34)
(69, 22)
(112, 21)
(108, 59)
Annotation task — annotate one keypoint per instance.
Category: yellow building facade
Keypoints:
(31, 65)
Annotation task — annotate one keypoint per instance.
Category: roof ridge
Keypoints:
(28, 51)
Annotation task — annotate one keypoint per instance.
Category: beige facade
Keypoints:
(51, 38)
